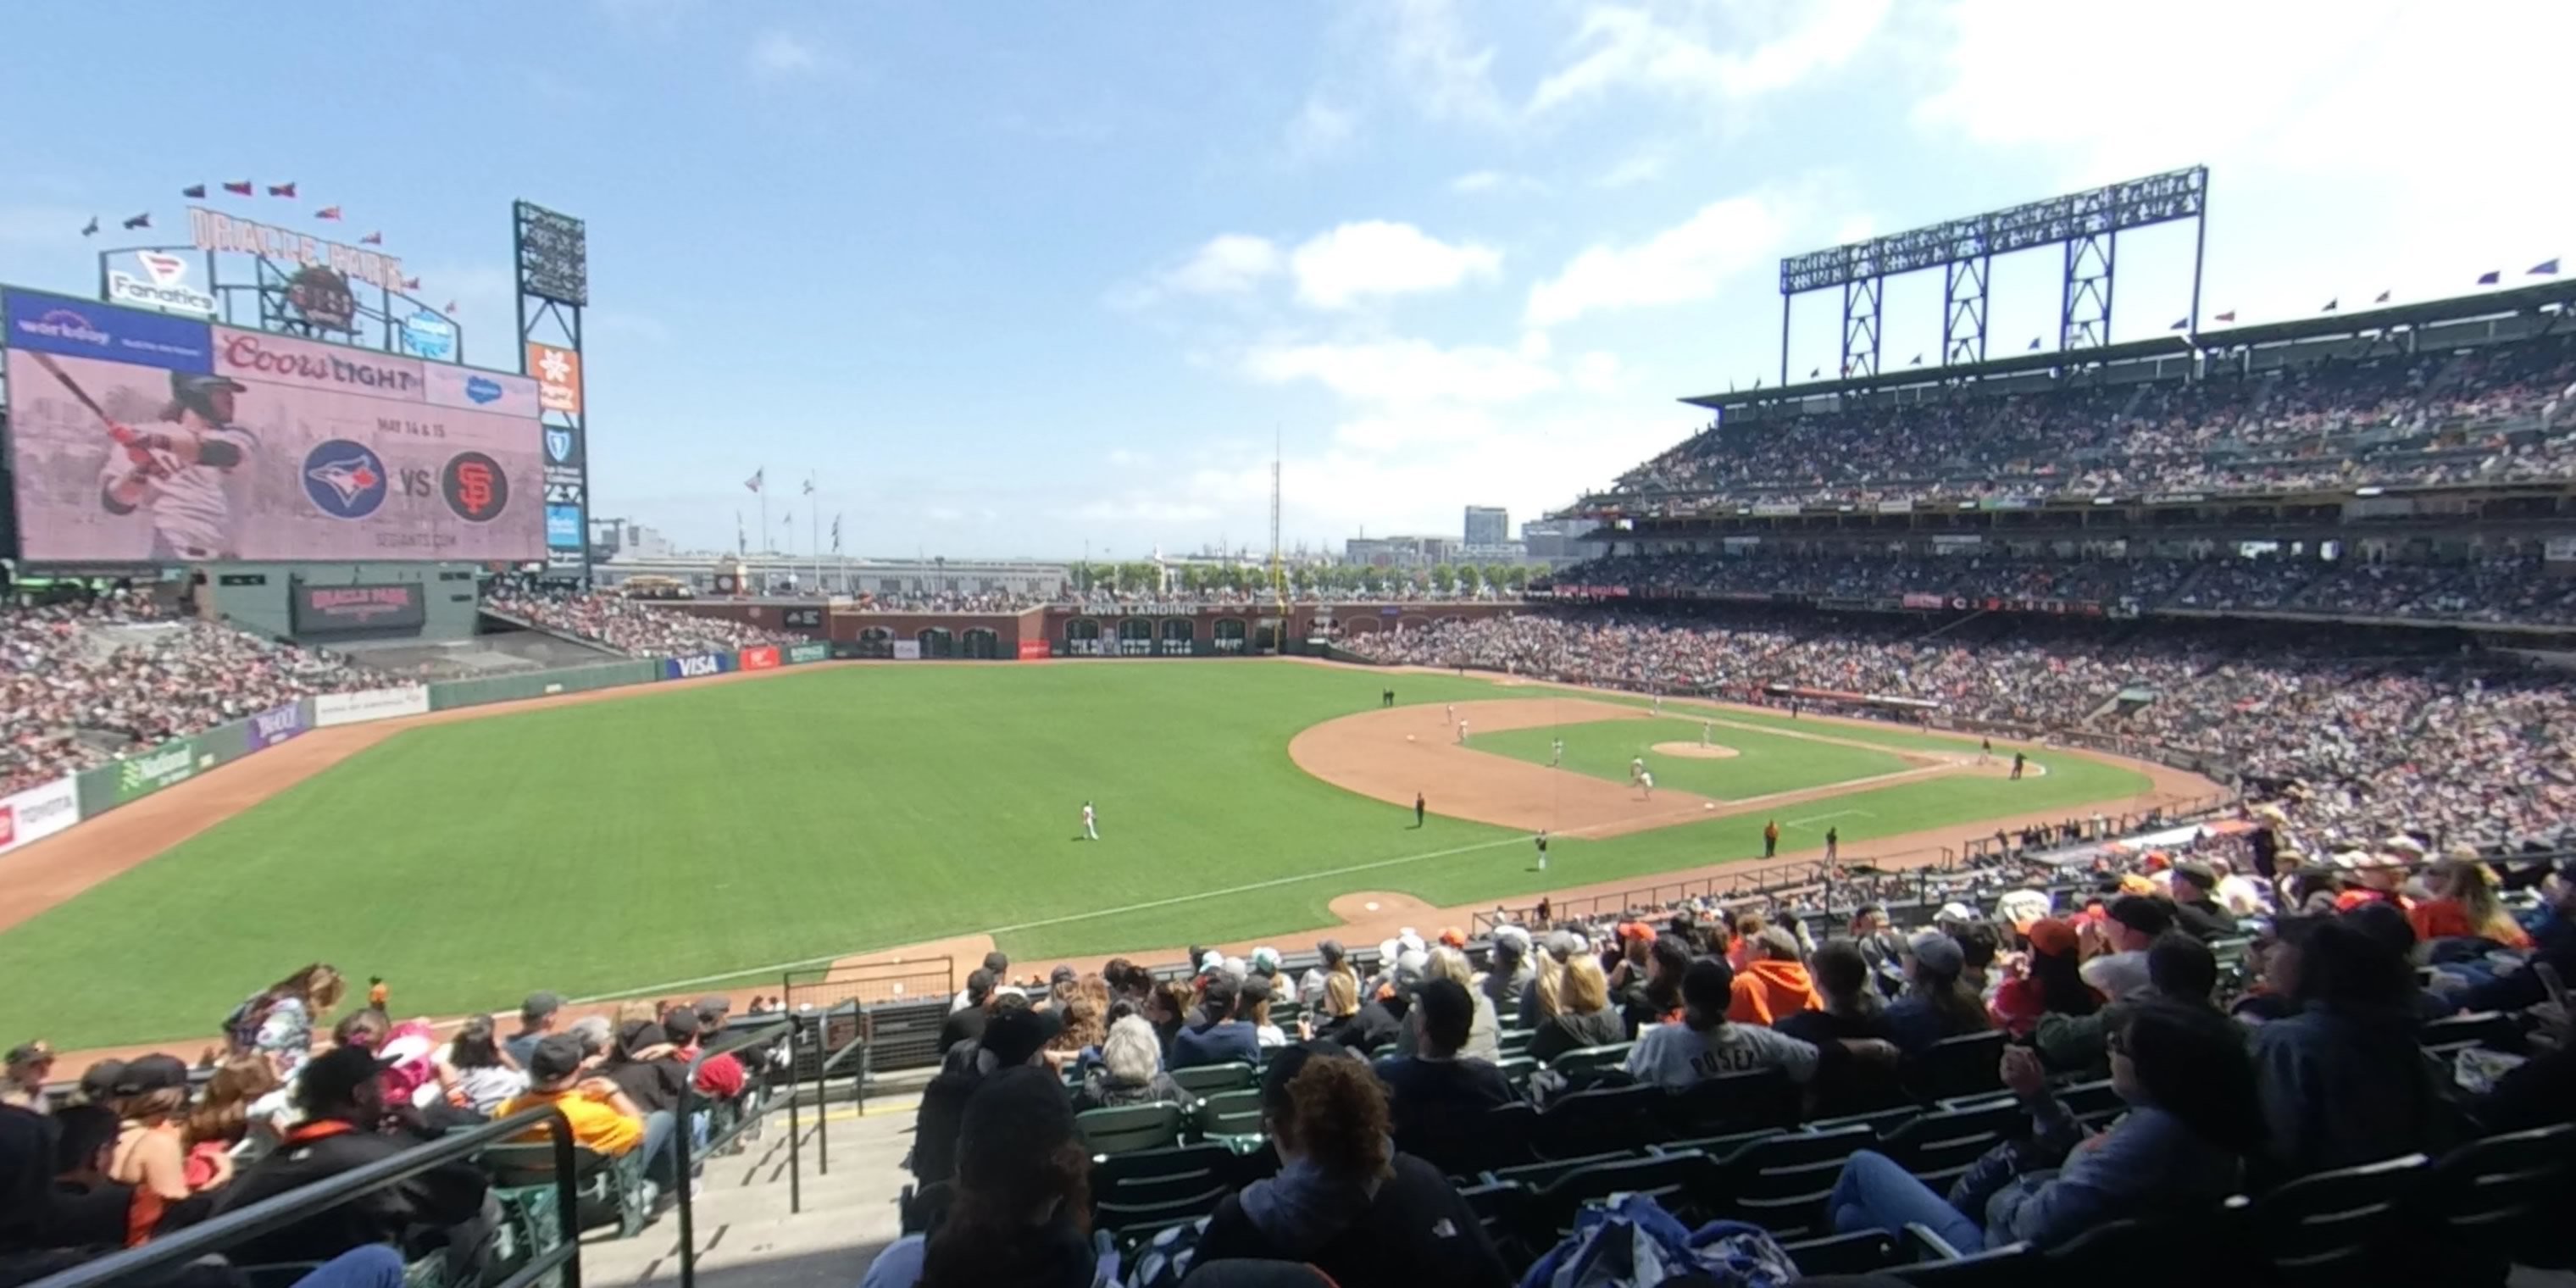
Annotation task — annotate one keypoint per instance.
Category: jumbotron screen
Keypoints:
(140, 437)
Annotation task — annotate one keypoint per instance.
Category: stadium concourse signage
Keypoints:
(334, 709)
(324, 610)
(696, 666)
(146, 772)
(38, 812)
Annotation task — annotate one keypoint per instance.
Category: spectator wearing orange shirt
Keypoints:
(1774, 984)
(2464, 906)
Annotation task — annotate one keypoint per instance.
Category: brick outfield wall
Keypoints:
(1050, 624)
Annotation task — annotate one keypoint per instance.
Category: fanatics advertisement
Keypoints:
(322, 610)
(178, 442)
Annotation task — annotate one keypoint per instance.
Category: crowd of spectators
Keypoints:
(2467, 747)
(950, 601)
(2179, 1027)
(302, 1090)
(84, 681)
(2486, 416)
(2516, 590)
(636, 627)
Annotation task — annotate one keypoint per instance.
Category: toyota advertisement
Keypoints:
(141, 437)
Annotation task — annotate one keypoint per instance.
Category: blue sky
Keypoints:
(1010, 279)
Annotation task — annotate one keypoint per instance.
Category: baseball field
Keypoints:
(662, 837)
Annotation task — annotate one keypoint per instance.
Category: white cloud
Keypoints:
(1686, 262)
(1494, 181)
(1431, 58)
(1342, 266)
(1320, 129)
(1630, 48)
(1226, 264)
(1125, 458)
(1633, 169)
(777, 55)
(1597, 371)
(1404, 372)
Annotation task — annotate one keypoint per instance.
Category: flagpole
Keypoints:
(814, 529)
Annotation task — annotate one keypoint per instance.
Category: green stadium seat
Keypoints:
(1130, 1128)
(2332, 1227)
(1209, 1079)
(1584, 1059)
(2505, 1197)
(1940, 1145)
(608, 1189)
(1229, 1114)
(1780, 1182)
(1156, 1187)
(1603, 1118)
(1669, 1179)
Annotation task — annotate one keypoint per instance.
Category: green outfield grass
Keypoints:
(1770, 762)
(685, 831)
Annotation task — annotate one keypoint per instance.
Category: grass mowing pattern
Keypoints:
(693, 830)
(1769, 763)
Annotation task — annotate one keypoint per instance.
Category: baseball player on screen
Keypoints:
(178, 473)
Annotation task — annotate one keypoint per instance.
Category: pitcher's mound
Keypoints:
(1694, 751)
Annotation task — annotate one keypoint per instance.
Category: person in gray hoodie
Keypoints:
(2180, 1148)
(2343, 1080)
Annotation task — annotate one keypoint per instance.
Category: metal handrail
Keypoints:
(752, 1033)
(304, 1202)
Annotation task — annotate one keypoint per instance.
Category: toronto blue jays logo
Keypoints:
(343, 479)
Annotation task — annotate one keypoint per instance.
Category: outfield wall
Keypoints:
(53, 807)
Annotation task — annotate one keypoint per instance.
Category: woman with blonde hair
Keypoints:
(1344, 1200)
(222, 1120)
(1357, 1026)
(1484, 1034)
(2464, 905)
(278, 1021)
(1130, 1071)
(1583, 1016)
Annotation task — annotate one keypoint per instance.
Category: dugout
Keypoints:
(339, 603)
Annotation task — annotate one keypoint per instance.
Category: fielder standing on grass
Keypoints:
(1090, 823)
(178, 474)
(1542, 851)
(1555, 752)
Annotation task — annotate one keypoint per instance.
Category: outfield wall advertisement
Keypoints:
(696, 666)
(146, 772)
(142, 437)
(38, 812)
(334, 709)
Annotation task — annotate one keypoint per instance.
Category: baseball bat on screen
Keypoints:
(46, 360)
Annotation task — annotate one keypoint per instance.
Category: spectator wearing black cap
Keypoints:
(1225, 1037)
(342, 1094)
(997, 969)
(1702, 1044)
(1016, 1036)
(721, 1076)
(538, 1017)
(1020, 1213)
(2196, 906)
(1937, 1003)
(2119, 964)
(1364, 1214)
(23, 1084)
(1439, 1095)
(151, 1145)
(1330, 958)
(604, 1118)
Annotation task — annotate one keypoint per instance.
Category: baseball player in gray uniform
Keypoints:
(177, 473)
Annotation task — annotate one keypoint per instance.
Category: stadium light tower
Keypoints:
(2086, 224)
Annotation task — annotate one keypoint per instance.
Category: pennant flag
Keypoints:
(286, 190)
(1815, 372)
(2545, 268)
(195, 191)
(836, 534)
(327, 212)
(240, 189)
(2034, 344)
(143, 220)
(372, 239)
(756, 477)
(2228, 316)
(2490, 277)
(1918, 361)
(451, 307)
(90, 229)
(2332, 305)
(2180, 324)
(2383, 298)
(411, 283)
(809, 487)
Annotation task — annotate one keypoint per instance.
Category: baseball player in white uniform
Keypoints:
(1555, 752)
(178, 473)
(1462, 733)
(1704, 732)
(1646, 783)
(1636, 769)
(1452, 710)
(1542, 851)
(1090, 823)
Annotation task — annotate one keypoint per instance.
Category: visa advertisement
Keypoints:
(139, 437)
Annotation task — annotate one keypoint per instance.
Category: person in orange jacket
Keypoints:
(1775, 983)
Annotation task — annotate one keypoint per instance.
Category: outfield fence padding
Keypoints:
(448, 695)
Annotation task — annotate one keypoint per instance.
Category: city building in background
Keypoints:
(1488, 526)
